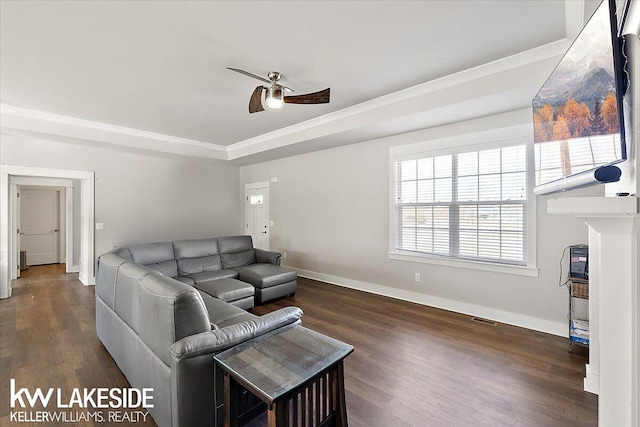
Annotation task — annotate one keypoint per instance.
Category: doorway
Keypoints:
(9, 242)
(256, 213)
(45, 223)
(39, 227)
(45, 233)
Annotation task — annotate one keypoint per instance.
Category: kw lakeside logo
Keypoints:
(86, 404)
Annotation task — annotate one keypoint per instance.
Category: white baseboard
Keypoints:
(510, 318)
(591, 381)
(73, 268)
(87, 281)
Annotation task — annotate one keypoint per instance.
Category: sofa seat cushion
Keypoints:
(267, 275)
(246, 303)
(226, 289)
(242, 267)
(222, 313)
(184, 279)
(207, 276)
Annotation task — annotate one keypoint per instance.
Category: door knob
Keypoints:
(54, 230)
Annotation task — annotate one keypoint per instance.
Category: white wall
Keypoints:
(77, 202)
(142, 198)
(330, 211)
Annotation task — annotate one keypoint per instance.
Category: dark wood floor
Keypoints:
(412, 365)
(48, 340)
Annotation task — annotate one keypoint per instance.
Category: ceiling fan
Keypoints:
(275, 97)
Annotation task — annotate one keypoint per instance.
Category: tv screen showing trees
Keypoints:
(575, 114)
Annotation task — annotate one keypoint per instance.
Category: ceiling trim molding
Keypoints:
(406, 102)
(32, 120)
(352, 116)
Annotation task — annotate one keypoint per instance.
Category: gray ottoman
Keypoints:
(232, 291)
(271, 281)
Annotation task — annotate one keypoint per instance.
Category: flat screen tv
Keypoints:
(577, 114)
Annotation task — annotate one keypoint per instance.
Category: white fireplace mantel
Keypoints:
(614, 255)
(607, 207)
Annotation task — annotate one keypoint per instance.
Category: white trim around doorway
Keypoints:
(87, 247)
(65, 186)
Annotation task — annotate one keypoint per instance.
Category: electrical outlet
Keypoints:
(284, 255)
(417, 277)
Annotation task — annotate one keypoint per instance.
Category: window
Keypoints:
(467, 205)
(556, 159)
(256, 199)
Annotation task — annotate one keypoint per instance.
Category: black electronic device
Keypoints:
(579, 262)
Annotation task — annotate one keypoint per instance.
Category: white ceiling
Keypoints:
(159, 66)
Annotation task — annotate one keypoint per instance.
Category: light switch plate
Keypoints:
(99, 225)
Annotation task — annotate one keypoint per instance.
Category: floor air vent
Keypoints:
(484, 321)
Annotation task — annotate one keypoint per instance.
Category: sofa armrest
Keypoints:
(221, 339)
(267, 256)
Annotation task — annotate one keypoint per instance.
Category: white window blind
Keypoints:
(469, 205)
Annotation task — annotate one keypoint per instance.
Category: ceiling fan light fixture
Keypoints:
(275, 98)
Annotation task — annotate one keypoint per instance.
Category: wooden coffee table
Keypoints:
(297, 372)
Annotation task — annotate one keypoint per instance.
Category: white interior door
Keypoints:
(40, 226)
(256, 213)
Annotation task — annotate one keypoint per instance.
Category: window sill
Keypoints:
(460, 263)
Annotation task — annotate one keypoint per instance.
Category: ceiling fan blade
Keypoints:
(321, 97)
(246, 73)
(255, 102)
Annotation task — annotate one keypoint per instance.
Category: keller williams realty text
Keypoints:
(85, 398)
(76, 416)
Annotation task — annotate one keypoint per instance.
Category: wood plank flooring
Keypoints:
(419, 366)
(48, 340)
(412, 365)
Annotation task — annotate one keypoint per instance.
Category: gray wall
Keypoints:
(142, 198)
(331, 215)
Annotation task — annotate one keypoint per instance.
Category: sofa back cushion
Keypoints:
(166, 268)
(168, 311)
(195, 248)
(128, 279)
(123, 252)
(196, 256)
(157, 256)
(236, 251)
(108, 266)
(152, 253)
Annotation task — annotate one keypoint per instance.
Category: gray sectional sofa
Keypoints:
(164, 309)
(208, 264)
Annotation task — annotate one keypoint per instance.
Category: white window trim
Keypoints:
(502, 137)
